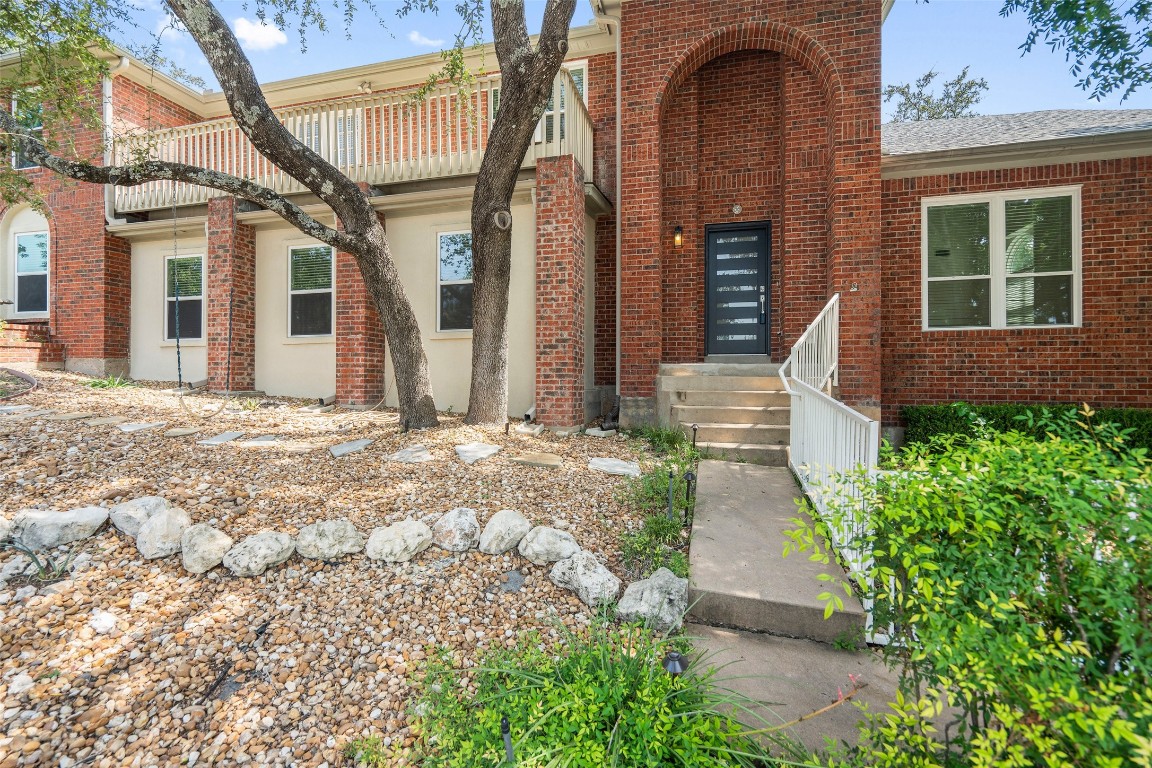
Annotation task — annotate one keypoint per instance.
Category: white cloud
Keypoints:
(257, 36)
(169, 28)
(418, 39)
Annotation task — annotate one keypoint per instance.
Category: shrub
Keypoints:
(654, 546)
(109, 382)
(1018, 576)
(603, 701)
(924, 422)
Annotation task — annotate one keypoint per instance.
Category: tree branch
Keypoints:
(156, 170)
(259, 123)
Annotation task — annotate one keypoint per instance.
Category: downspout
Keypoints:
(614, 21)
(109, 190)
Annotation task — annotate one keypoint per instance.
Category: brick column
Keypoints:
(560, 292)
(230, 288)
(360, 342)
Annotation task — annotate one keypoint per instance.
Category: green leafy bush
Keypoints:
(924, 422)
(109, 382)
(604, 701)
(1017, 574)
(656, 545)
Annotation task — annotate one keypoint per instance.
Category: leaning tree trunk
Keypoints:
(526, 83)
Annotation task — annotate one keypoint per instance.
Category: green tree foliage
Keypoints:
(1017, 575)
(1106, 42)
(916, 101)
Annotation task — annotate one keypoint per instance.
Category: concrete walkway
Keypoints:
(756, 611)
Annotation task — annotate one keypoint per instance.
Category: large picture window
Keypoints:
(31, 273)
(184, 297)
(454, 281)
(1002, 260)
(310, 291)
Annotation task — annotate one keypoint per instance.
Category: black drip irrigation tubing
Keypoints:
(33, 383)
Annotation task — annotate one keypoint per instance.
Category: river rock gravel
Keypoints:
(286, 667)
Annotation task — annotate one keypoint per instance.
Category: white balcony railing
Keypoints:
(377, 139)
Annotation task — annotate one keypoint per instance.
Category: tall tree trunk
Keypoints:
(526, 83)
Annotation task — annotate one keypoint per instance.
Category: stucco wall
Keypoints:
(153, 358)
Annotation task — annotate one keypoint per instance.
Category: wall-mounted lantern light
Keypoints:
(678, 236)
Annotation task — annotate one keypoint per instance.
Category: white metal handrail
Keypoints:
(378, 139)
(833, 449)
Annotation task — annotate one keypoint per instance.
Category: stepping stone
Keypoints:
(220, 439)
(413, 454)
(181, 432)
(546, 460)
(34, 414)
(141, 426)
(263, 441)
(596, 432)
(534, 430)
(14, 408)
(615, 466)
(474, 452)
(316, 408)
(346, 448)
(106, 420)
(74, 416)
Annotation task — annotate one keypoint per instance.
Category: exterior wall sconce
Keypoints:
(678, 236)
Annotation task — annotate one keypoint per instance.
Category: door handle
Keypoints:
(763, 316)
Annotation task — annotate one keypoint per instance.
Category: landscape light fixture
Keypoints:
(694, 428)
(689, 481)
(506, 732)
(674, 663)
(671, 495)
(678, 236)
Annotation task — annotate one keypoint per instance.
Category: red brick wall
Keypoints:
(230, 288)
(1106, 362)
(822, 94)
(138, 105)
(560, 292)
(360, 341)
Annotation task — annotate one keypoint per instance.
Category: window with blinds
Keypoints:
(553, 119)
(184, 298)
(334, 136)
(1002, 260)
(310, 291)
(31, 273)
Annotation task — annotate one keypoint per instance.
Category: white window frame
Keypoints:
(556, 112)
(439, 283)
(17, 274)
(14, 153)
(331, 290)
(998, 278)
(325, 132)
(202, 298)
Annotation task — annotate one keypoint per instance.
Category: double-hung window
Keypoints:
(454, 281)
(310, 290)
(333, 135)
(30, 117)
(31, 273)
(1002, 260)
(552, 118)
(184, 297)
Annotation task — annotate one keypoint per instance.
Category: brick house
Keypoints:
(707, 176)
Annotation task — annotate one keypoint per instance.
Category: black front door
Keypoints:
(736, 317)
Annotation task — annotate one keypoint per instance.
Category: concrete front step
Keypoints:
(733, 399)
(747, 434)
(739, 577)
(743, 370)
(766, 455)
(730, 414)
(719, 382)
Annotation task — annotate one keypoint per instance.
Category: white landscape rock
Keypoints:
(102, 622)
(399, 543)
(161, 534)
(504, 531)
(259, 552)
(5, 527)
(44, 529)
(615, 466)
(20, 683)
(659, 601)
(545, 545)
(203, 547)
(329, 539)
(414, 454)
(129, 517)
(474, 452)
(583, 574)
(457, 530)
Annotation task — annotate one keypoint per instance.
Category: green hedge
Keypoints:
(923, 422)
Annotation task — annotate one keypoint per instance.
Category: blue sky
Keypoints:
(945, 35)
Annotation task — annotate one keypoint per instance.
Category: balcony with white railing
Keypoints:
(376, 138)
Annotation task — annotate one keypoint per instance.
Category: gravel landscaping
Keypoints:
(141, 662)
